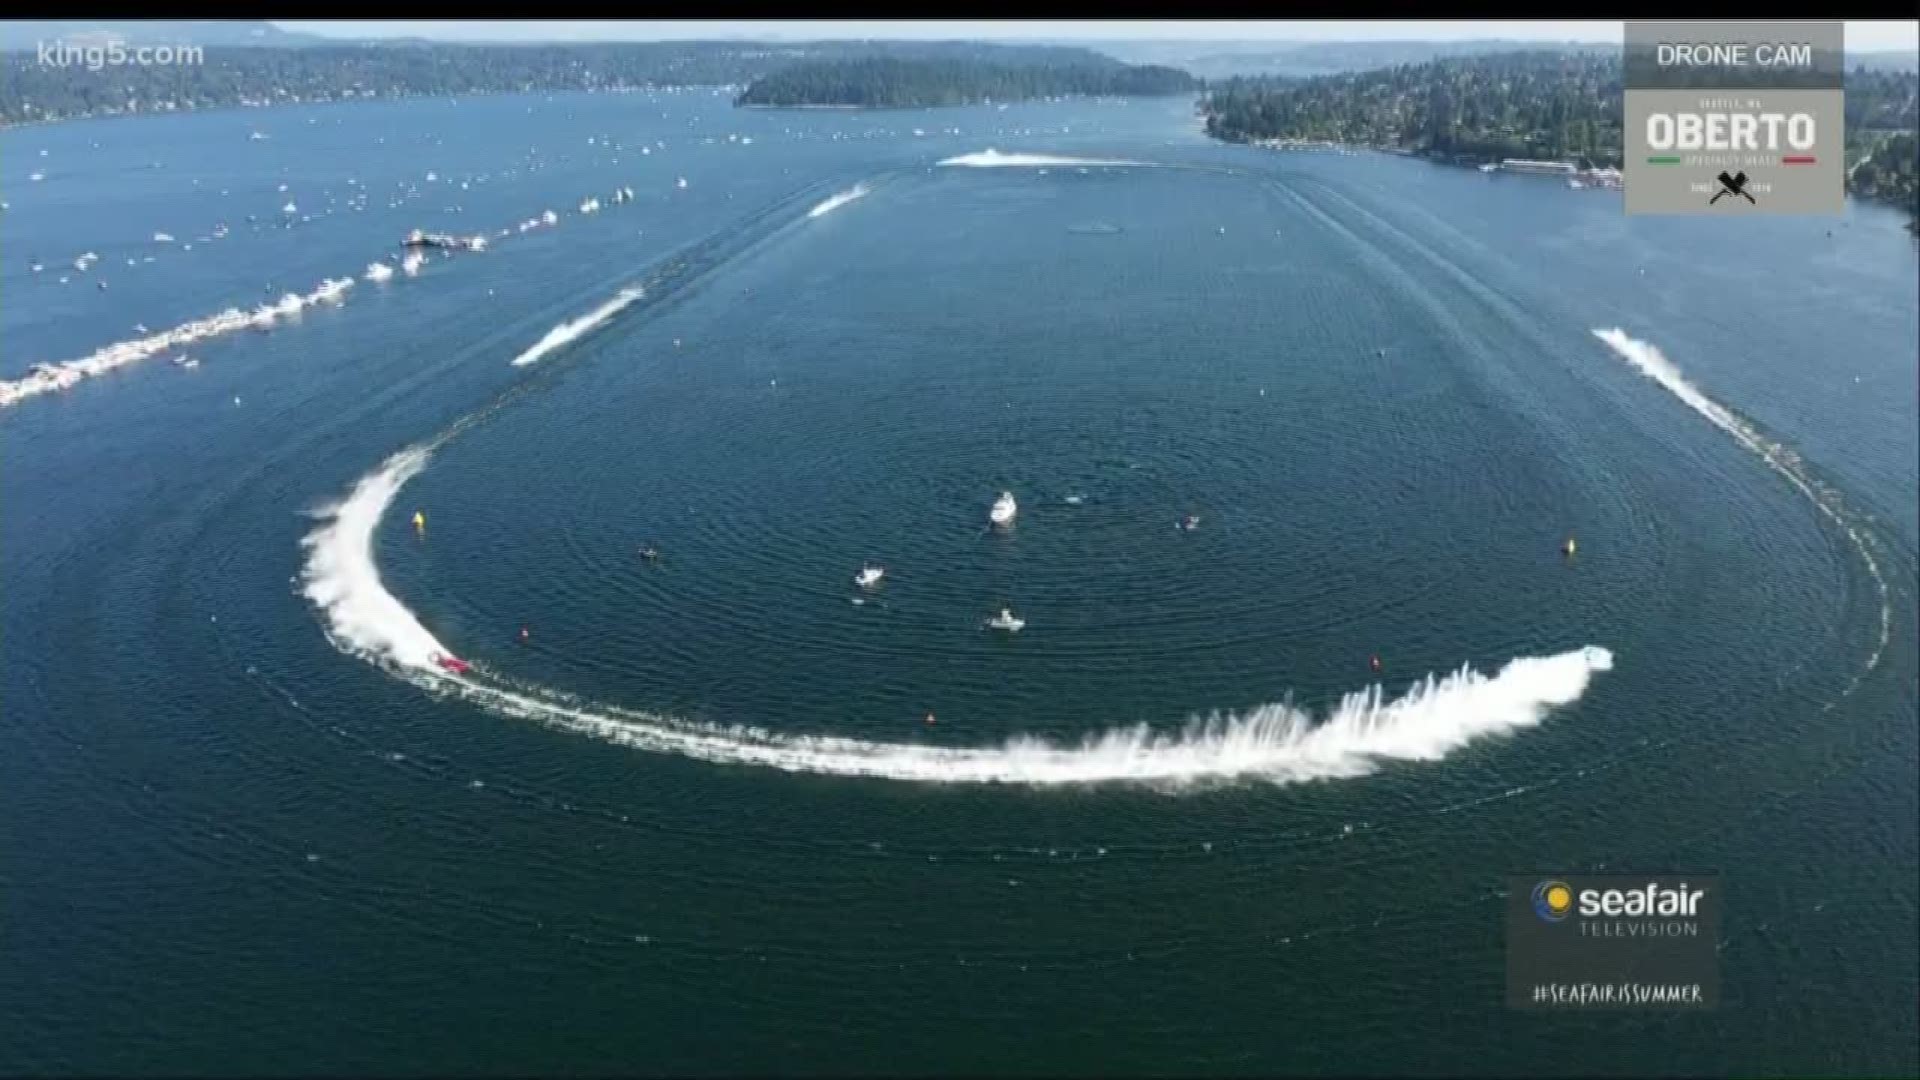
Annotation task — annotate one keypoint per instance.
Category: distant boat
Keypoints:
(1007, 621)
(869, 576)
(1004, 508)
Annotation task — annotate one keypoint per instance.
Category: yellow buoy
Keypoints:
(420, 520)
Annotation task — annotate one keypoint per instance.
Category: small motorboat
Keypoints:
(650, 553)
(1188, 523)
(451, 663)
(1004, 508)
(1007, 621)
(869, 576)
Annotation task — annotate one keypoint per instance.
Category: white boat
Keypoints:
(869, 576)
(1003, 509)
(1007, 621)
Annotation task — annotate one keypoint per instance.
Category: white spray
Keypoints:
(572, 329)
(44, 378)
(994, 159)
(1649, 361)
(839, 199)
(1276, 743)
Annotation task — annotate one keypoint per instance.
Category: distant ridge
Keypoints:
(27, 34)
(319, 70)
(1305, 59)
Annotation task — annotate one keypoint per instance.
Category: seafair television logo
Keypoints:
(1613, 941)
(1679, 906)
(1734, 118)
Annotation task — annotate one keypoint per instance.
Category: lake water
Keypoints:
(687, 815)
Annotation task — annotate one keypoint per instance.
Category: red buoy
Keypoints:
(930, 719)
(1376, 662)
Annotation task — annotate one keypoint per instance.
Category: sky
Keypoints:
(1861, 36)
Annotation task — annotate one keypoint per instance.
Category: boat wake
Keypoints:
(342, 579)
(47, 377)
(44, 378)
(1276, 743)
(573, 329)
(1651, 362)
(837, 200)
(994, 159)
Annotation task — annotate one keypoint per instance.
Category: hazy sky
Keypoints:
(1861, 36)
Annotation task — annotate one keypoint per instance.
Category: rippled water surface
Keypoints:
(688, 814)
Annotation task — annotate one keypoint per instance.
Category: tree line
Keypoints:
(1529, 104)
(893, 82)
(32, 91)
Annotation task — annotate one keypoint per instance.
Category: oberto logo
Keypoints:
(1731, 185)
(1553, 900)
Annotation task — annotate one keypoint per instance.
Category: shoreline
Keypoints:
(984, 103)
(13, 125)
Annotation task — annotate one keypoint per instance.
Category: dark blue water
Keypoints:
(233, 848)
